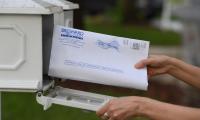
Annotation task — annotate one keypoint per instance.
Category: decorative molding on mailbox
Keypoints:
(22, 44)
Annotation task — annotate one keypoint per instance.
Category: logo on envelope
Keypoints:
(73, 38)
(108, 45)
(72, 33)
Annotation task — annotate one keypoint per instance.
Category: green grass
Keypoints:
(23, 106)
(155, 36)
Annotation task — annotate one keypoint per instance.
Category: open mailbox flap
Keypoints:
(72, 98)
(96, 58)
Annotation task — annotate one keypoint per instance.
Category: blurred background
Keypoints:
(171, 26)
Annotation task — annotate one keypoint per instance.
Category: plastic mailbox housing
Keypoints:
(26, 28)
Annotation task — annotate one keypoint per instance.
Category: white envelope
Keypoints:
(98, 58)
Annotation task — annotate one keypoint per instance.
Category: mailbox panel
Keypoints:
(21, 52)
(13, 47)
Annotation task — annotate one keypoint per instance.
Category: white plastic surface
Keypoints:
(10, 62)
(65, 4)
(19, 85)
(19, 4)
(73, 98)
(27, 7)
(21, 52)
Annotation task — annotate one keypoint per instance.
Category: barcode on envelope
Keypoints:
(138, 46)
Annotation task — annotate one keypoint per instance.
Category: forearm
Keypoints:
(185, 72)
(156, 110)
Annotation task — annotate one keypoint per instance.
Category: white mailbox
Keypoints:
(23, 25)
(26, 30)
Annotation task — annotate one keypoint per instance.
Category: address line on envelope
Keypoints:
(91, 66)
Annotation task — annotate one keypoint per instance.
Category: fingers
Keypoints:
(156, 71)
(105, 116)
(103, 109)
(106, 112)
(116, 109)
(140, 64)
(110, 119)
(152, 60)
(144, 63)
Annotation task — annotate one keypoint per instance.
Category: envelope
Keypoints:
(98, 58)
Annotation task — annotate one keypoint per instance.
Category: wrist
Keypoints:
(142, 106)
(147, 107)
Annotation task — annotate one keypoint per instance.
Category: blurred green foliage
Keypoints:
(148, 33)
(111, 23)
(23, 106)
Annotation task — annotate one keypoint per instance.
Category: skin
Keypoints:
(127, 107)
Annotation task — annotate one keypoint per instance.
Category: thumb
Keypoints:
(142, 63)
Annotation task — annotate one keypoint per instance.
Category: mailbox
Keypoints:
(26, 30)
(24, 25)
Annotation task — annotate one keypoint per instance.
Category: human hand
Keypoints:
(120, 109)
(127, 107)
(156, 65)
